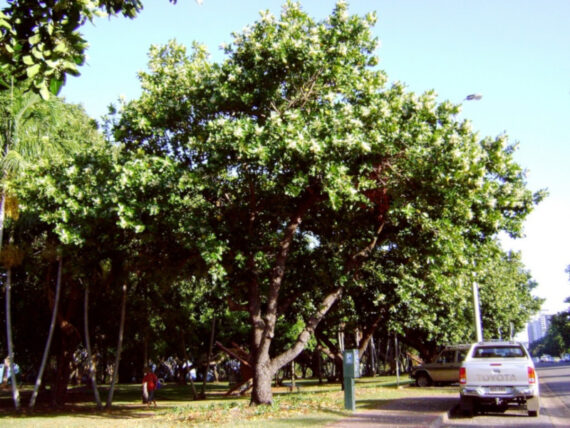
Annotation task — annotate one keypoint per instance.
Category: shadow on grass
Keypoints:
(115, 413)
(173, 398)
(127, 402)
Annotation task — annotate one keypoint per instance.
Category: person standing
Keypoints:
(149, 384)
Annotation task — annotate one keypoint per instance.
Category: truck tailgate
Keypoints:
(498, 372)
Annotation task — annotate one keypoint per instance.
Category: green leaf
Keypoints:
(37, 53)
(33, 70)
(35, 39)
(5, 24)
(55, 85)
(60, 47)
(28, 60)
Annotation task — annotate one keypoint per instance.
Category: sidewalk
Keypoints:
(420, 411)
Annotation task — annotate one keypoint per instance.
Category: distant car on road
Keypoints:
(546, 358)
(444, 369)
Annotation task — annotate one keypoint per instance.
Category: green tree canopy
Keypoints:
(307, 158)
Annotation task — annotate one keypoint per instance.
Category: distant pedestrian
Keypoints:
(149, 384)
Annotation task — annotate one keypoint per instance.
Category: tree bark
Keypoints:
(119, 347)
(32, 403)
(262, 377)
(15, 392)
(92, 364)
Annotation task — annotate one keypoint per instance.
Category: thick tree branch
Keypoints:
(368, 333)
(290, 354)
(329, 348)
(311, 197)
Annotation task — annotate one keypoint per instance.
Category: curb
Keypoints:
(443, 418)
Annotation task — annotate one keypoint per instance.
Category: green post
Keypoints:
(351, 370)
(349, 398)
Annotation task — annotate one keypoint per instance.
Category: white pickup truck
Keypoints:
(498, 373)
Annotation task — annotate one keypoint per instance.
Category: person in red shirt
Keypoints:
(149, 384)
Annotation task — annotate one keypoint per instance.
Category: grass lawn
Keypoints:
(312, 405)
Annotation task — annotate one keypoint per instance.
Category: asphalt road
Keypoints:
(557, 378)
(555, 405)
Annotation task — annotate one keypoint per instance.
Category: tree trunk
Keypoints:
(262, 377)
(69, 339)
(2, 216)
(265, 368)
(264, 322)
(373, 364)
(207, 368)
(145, 348)
(319, 363)
(119, 346)
(15, 392)
(8, 297)
(188, 369)
(92, 364)
(32, 403)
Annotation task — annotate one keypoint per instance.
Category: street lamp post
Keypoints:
(477, 313)
(476, 305)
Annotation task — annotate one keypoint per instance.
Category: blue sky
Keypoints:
(513, 52)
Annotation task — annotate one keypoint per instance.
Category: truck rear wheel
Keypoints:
(467, 405)
(423, 380)
(533, 406)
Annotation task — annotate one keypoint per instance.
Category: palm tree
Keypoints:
(33, 129)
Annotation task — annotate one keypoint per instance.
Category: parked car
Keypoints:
(443, 369)
(498, 374)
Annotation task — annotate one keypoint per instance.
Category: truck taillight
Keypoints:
(531, 375)
(462, 375)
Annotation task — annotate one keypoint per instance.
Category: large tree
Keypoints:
(311, 164)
